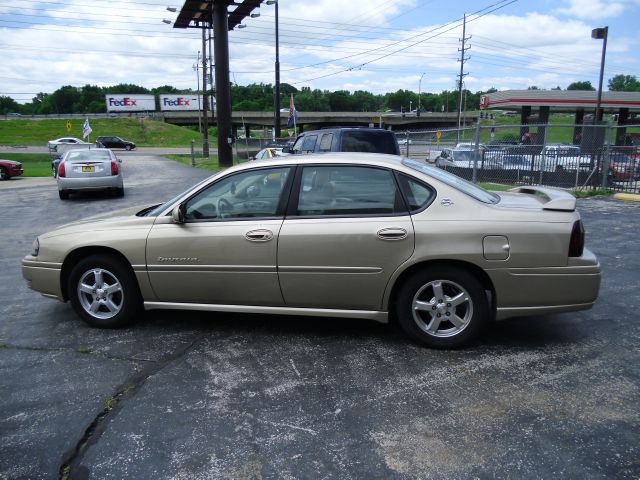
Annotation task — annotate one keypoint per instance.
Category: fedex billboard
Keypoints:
(130, 103)
(182, 102)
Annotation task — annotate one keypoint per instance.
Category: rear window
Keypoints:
(453, 181)
(369, 141)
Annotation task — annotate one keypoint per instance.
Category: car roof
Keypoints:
(91, 152)
(329, 158)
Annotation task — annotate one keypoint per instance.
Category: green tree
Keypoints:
(624, 83)
(584, 85)
(65, 99)
(8, 105)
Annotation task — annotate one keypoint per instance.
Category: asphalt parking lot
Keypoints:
(184, 395)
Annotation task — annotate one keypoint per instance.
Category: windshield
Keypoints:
(453, 181)
(163, 206)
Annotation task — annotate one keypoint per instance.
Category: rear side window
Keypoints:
(369, 141)
(418, 195)
(325, 142)
(348, 191)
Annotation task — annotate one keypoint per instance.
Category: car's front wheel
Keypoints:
(103, 292)
(127, 147)
(442, 307)
(4, 175)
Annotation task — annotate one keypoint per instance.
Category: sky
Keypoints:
(379, 46)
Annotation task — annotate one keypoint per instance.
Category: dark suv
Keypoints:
(116, 142)
(373, 140)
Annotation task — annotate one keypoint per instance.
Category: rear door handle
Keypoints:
(259, 235)
(392, 233)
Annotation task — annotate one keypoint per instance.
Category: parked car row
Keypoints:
(105, 141)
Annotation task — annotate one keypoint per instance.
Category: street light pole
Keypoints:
(276, 90)
(600, 33)
(419, 90)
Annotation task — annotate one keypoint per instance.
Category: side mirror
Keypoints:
(177, 214)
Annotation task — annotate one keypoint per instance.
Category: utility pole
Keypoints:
(462, 74)
(205, 98)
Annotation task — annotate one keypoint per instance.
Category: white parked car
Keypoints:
(53, 144)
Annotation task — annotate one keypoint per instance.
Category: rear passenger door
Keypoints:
(346, 231)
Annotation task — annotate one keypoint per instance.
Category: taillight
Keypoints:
(114, 167)
(61, 172)
(576, 244)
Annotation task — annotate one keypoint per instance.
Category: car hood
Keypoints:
(125, 217)
(9, 162)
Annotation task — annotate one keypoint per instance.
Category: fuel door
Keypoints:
(495, 247)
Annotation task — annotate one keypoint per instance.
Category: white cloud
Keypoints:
(592, 9)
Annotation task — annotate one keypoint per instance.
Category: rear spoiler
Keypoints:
(551, 198)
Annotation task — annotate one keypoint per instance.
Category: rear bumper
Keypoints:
(90, 183)
(536, 291)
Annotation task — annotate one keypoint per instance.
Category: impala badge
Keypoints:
(178, 260)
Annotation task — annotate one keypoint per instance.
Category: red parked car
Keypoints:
(9, 168)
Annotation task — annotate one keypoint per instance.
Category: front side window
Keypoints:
(253, 194)
(348, 191)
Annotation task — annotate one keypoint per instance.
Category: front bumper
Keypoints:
(43, 277)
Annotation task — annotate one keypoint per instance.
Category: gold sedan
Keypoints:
(335, 235)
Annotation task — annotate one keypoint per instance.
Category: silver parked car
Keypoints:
(340, 235)
(96, 169)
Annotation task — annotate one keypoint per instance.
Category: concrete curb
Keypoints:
(631, 197)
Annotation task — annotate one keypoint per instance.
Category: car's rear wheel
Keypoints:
(120, 192)
(63, 194)
(103, 292)
(4, 175)
(442, 307)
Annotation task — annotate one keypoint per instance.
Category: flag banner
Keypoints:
(86, 129)
(293, 114)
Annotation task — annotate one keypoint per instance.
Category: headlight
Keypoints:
(35, 247)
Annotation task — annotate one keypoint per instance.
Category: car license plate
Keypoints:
(88, 168)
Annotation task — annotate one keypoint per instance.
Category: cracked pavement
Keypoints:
(190, 395)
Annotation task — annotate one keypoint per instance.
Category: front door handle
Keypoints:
(392, 233)
(259, 235)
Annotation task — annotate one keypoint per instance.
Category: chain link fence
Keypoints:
(558, 155)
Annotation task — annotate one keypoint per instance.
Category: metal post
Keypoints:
(223, 92)
(476, 154)
(606, 159)
(193, 154)
(276, 91)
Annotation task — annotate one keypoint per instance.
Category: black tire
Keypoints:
(429, 300)
(104, 292)
(120, 192)
(127, 147)
(63, 194)
(4, 175)
(54, 171)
